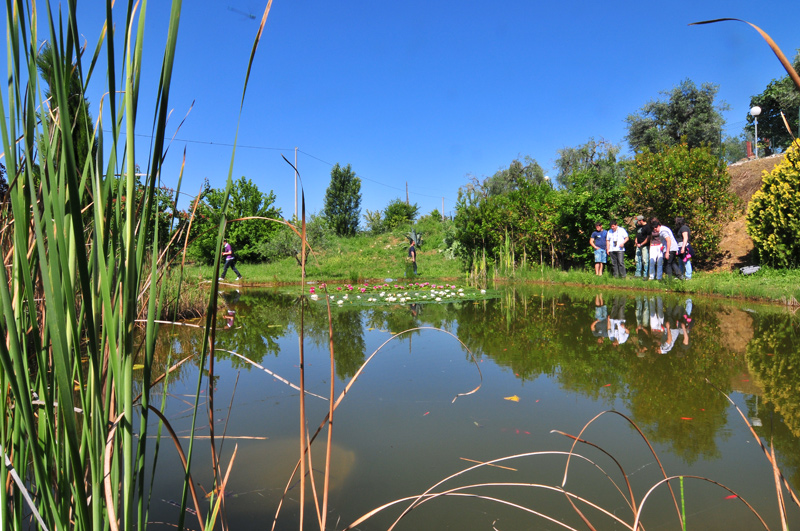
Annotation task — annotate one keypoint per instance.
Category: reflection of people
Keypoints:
(642, 325)
(412, 253)
(616, 239)
(230, 261)
(598, 243)
(229, 298)
(415, 308)
(617, 328)
(600, 325)
(677, 325)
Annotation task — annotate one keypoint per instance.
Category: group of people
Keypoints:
(658, 250)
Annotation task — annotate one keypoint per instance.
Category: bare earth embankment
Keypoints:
(736, 245)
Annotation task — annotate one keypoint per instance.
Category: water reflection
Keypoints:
(647, 355)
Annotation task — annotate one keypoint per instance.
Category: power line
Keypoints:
(265, 148)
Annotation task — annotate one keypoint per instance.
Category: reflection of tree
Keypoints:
(348, 342)
(261, 320)
(549, 334)
(772, 357)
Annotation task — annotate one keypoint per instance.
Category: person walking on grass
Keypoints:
(615, 242)
(230, 261)
(642, 243)
(598, 243)
(412, 254)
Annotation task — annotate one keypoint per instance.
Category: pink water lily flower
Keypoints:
(311, 290)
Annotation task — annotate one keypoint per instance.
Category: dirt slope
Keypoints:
(736, 245)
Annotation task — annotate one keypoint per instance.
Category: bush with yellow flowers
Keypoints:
(773, 216)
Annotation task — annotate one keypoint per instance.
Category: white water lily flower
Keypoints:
(483, 292)
(438, 299)
(340, 301)
(314, 297)
(460, 290)
(461, 294)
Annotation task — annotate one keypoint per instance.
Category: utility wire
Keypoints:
(264, 148)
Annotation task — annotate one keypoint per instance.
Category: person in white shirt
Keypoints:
(670, 248)
(615, 245)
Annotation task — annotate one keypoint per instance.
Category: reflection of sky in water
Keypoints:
(398, 431)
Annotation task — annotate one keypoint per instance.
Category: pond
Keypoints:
(476, 381)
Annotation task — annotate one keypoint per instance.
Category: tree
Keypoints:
(681, 181)
(343, 201)
(594, 181)
(772, 214)
(781, 95)
(246, 236)
(592, 158)
(77, 107)
(508, 179)
(398, 213)
(733, 149)
(688, 113)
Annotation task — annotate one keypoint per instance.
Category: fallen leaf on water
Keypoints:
(607, 385)
(513, 398)
(732, 496)
(138, 367)
(537, 399)
(425, 413)
(686, 418)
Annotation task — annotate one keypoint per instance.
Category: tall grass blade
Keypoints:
(775, 49)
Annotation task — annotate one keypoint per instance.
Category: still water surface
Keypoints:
(562, 357)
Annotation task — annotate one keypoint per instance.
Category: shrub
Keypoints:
(398, 213)
(373, 221)
(772, 216)
(679, 181)
(285, 242)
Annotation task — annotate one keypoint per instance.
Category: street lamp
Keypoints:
(547, 180)
(754, 112)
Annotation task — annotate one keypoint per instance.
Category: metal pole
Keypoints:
(756, 132)
(295, 183)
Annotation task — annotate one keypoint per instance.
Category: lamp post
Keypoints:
(547, 180)
(754, 112)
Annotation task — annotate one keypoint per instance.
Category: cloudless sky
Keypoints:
(429, 93)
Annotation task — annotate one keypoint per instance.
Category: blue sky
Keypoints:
(428, 93)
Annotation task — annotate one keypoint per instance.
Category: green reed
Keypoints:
(78, 233)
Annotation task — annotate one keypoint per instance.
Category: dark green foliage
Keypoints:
(399, 213)
(343, 201)
(245, 236)
(683, 181)
(772, 214)
(779, 95)
(688, 115)
(523, 222)
(535, 222)
(593, 182)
